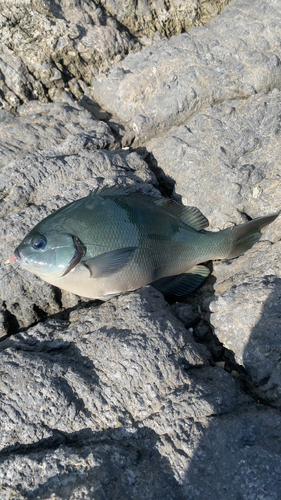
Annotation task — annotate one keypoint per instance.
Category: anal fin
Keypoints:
(182, 284)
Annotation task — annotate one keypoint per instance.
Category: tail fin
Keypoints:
(245, 235)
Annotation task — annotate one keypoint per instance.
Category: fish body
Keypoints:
(116, 240)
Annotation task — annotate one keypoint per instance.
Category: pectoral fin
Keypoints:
(110, 262)
(184, 283)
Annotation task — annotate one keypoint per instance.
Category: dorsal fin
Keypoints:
(113, 191)
(189, 215)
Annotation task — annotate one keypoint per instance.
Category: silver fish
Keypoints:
(116, 240)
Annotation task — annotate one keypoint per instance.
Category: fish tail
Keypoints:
(244, 236)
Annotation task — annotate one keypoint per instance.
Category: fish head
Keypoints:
(50, 254)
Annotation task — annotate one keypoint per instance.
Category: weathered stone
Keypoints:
(135, 398)
(225, 160)
(41, 49)
(114, 363)
(119, 393)
(236, 56)
(246, 315)
(168, 18)
(17, 85)
(39, 126)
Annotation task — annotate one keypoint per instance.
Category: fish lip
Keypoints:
(80, 251)
(22, 260)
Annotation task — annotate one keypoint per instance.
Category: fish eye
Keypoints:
(39, 242)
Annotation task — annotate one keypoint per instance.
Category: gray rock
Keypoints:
(173, 18)
(236, 56)
(35, 185)
(94, 371)
(17, 85)
(134, 398)
(119, 401)
(246, 315)
(225, 160)
(45, 46)
(233, 458)
(39, 126)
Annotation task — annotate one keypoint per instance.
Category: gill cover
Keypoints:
(50, 255)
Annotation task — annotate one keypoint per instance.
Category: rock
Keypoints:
(225, 160)
(38, 183)
(42, 50)
(236, 56)
(246, 315)
(187, 313)
(173, 18)
(38, 126)
(102, 375)
(141, 397)
(117, 393)
(17, 85)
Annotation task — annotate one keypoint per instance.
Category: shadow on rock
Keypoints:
(262, 354)
(166, 182)
(238, 454)
(111, 465)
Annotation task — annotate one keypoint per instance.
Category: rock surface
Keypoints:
(226, 159)
(141, 397)
(47, 47)
(122, 394)
(236, 56)
(38, 126)
(246, 315)
(168, 18)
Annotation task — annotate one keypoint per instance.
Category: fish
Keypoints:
(117, 240)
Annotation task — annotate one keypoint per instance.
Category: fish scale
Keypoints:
(116, 240)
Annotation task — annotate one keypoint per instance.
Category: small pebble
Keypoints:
(221, 364)
(191, 330)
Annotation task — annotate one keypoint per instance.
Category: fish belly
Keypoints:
(149, 263)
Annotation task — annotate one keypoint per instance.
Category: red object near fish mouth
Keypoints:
(10, 260)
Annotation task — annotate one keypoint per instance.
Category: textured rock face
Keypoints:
(226, 159)
(117, 394)
(234, 57)
(49, 46)
(141, 397)
(39, 126)
(168, 18)
(246, 315)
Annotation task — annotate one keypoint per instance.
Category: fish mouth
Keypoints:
(80, 251)
(22, 260)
